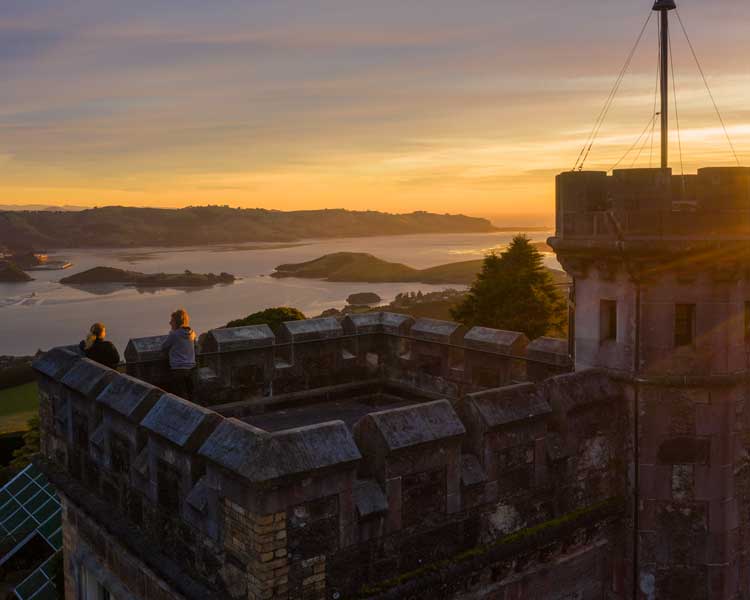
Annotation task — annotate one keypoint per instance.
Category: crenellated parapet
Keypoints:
(266, 512)
(649, 223)
(439, 357)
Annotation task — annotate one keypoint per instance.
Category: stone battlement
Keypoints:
(236, 502)
(652, 204)
(437, 357)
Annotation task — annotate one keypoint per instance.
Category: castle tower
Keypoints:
(661, 271)
(661, 295)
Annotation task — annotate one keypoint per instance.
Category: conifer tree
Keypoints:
(514, 292)
(273, 317)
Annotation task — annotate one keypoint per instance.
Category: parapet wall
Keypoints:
(322, 511)
(653, 204)
(438, 357)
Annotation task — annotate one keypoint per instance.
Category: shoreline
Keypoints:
(289, 243)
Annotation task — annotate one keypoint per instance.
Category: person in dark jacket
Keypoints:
(180, 344)
(98, 349)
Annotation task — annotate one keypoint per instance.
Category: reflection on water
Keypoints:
(43, 313)
(106, 289)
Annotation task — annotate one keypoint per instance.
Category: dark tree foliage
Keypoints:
(273, 317)
(514, 292)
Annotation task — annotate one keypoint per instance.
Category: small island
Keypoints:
(99, 275)
(360, 267)
(363, 299)
(366, 268)
(11, 273)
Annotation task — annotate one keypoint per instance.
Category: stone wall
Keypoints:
(438, 357)
(322, 511)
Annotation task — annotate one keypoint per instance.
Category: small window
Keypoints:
(684, 324)
(608, 320)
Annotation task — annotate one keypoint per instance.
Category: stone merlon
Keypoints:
(511, 404)
(179, 421)
(433, 330)
(88, 378)
(495, 340)
(259, 456)
(56, 362)
(145, 349)
(413, 425)
(377, 322)
(547, 349)
(310, 329)
(130, 397)
(228, 339)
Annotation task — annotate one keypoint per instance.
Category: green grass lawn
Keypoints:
(17, 405)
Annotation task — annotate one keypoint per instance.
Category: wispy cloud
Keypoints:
(472, 106)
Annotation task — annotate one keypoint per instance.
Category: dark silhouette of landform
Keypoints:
(366, 268)
(111, 275)
(11, 273)
(363, 299)
(122, 227)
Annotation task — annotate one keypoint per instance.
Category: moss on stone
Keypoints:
(523, 538)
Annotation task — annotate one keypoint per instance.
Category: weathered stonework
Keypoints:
(428, 468)
(382, 457)
(668, 256)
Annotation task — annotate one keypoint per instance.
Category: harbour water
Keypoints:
(44, 313)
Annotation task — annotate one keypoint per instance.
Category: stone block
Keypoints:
(230, 339)
(145, 349)
(310, 329)
(401, 428)
(257, 455)
(434, 330)
(509, 343)
(181, 422)
(129, 397)
(56, 362)
(513, 404)
(88, 378)
(549, 350)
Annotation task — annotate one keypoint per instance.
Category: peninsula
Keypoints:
(360, 267)
(99, 275)
(123, 227)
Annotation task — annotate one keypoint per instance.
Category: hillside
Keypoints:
(10, 273)
(366, 268)
(116, 226)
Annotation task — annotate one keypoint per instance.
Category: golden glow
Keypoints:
(455, 111)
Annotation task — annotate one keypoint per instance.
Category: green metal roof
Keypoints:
(30, 506)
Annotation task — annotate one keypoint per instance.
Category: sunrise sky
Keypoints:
(394, 105)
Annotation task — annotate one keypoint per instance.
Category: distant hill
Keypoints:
(366, 268)
(40, 207)
(116, 226)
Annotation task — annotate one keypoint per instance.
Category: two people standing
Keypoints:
(179, 345)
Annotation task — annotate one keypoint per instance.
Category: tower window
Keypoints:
(607, 320)
(684, 324)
